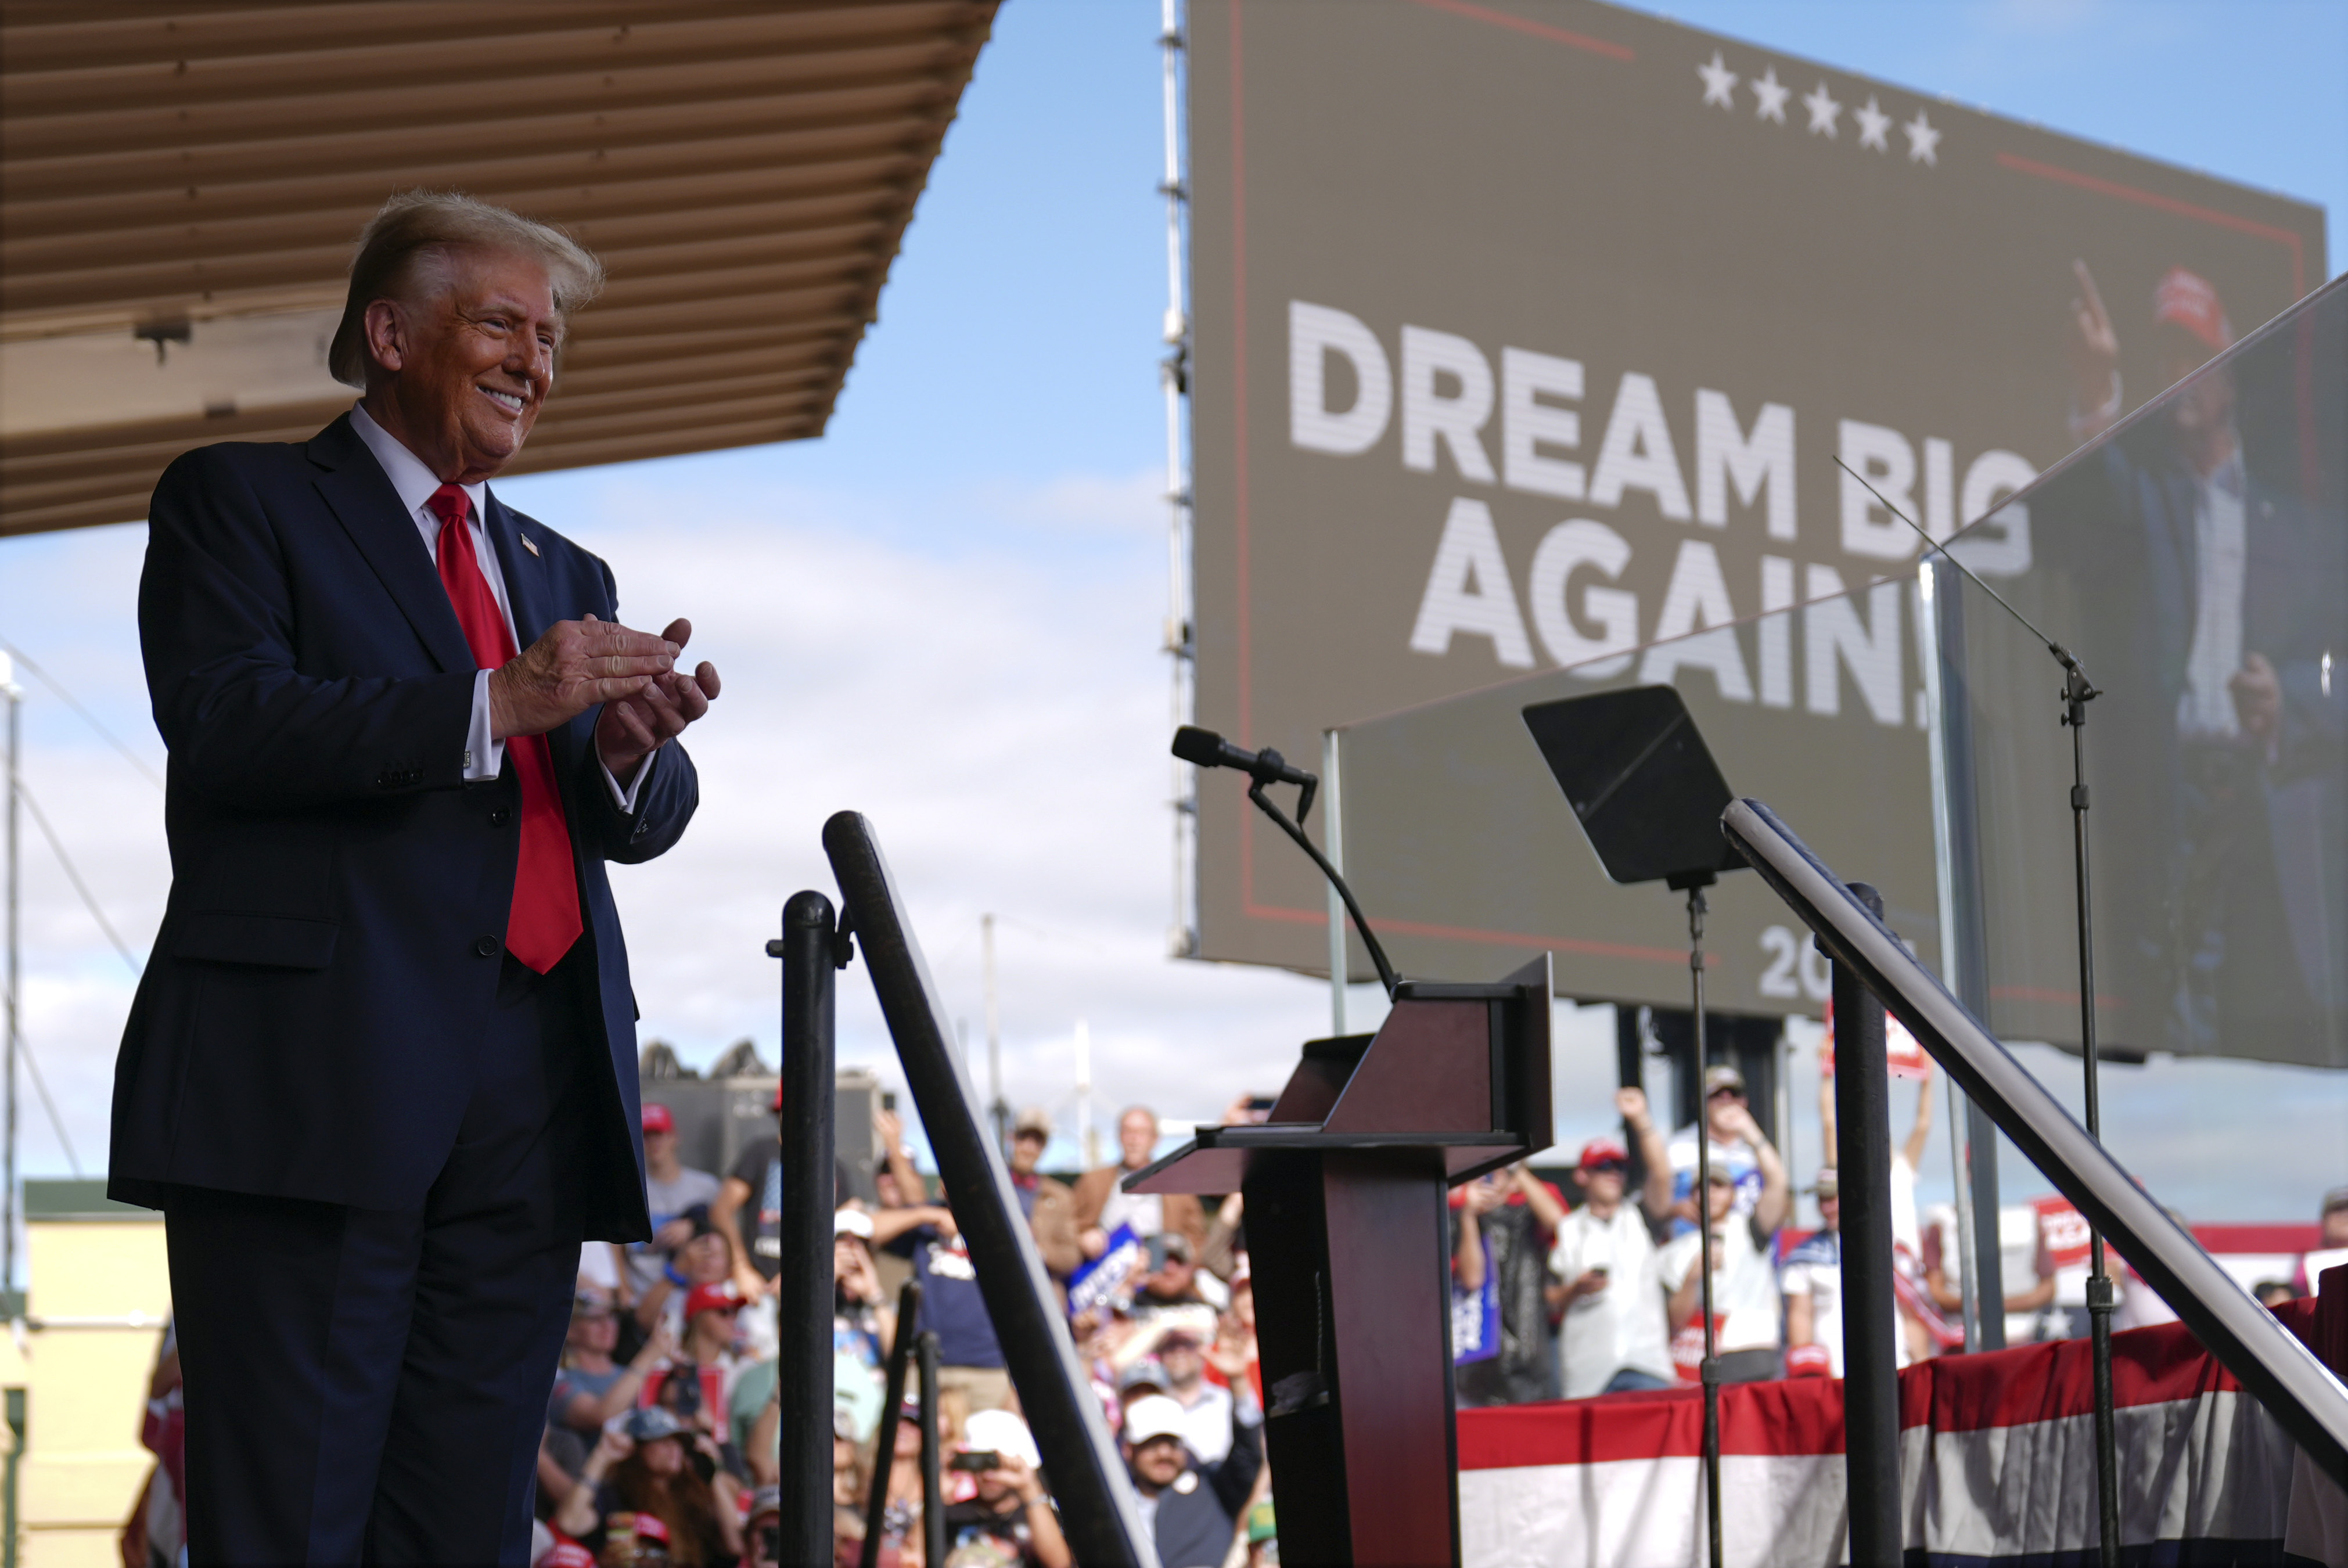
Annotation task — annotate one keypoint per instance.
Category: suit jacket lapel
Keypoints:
(530, 599)
(525, 573)
(360, 494)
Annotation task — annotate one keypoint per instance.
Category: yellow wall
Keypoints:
(86, 1388)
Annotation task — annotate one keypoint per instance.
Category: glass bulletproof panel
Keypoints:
(2194, 556)
(1465, 854)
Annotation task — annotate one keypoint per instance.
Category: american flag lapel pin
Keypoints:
(526, 544)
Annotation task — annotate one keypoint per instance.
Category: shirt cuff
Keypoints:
(484, 754)
(626, 798)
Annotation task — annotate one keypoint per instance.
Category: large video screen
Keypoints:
(1527, 338)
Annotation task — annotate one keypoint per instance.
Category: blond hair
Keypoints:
(402, 249)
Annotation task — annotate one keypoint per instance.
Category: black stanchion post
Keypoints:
(1709, 1371)
(884, 1460)
(933, 1498)
(1871, 1376)
(805, 1306)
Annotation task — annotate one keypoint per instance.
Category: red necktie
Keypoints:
(544, 920)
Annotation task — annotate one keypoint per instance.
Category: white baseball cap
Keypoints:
(851, 1222)
(1001, 1431)
(1152, 1416)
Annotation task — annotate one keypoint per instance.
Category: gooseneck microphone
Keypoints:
(1205, 749)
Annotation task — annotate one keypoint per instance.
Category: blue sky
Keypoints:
(968, 571)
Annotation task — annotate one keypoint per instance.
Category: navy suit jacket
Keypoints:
(306, 1023)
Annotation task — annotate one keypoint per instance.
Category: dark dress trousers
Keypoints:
(376, 1139)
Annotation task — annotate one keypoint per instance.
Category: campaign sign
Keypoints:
(1476, 1319)
(1092, 1285)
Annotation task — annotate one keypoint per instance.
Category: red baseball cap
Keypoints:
(720, 1297)
(658, 1119)
(2190, 301)
(650, 1527)
(568, 1554)
(1599, 1150)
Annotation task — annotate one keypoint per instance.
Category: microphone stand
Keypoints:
(2077, 692)
(1273, 762)
(1710, 1367)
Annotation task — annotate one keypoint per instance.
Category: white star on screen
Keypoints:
(1770, 96)
(1873, 123)
(1824, 111)
(1719, 82)
(1923, 140)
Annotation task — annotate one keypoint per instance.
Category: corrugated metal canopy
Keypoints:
(180, 185)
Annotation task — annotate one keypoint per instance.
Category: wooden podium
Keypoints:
(1348, 1246)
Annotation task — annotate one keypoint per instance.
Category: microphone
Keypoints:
(1205, 749)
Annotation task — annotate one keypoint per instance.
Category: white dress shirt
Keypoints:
(2205, 709)
(484, 752)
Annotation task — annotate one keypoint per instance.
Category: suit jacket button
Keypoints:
(500, 817)
(487, 946)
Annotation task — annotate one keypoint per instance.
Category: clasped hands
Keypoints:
(647, 701)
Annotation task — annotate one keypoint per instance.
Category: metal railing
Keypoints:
(2282, 1374)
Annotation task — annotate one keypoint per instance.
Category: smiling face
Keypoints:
(460, 370)
(1159, 1462)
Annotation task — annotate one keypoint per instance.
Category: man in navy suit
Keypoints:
(2209, 596)
(380, 1075)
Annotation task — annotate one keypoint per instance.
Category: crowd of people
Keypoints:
(662, 1435)
(1162, 1310)
(1554, 1294)
(662, 1428)
(661, 1438)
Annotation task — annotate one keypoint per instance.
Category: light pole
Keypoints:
(15, 695)
(997, 1109)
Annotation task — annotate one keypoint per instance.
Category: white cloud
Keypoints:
(1000, 717)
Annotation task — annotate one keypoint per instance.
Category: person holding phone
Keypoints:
(1605, 1259)
(650, 1463)
(1010, 1520)
(763, 1534)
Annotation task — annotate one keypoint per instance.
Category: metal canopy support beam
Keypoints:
(2278, 1370)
